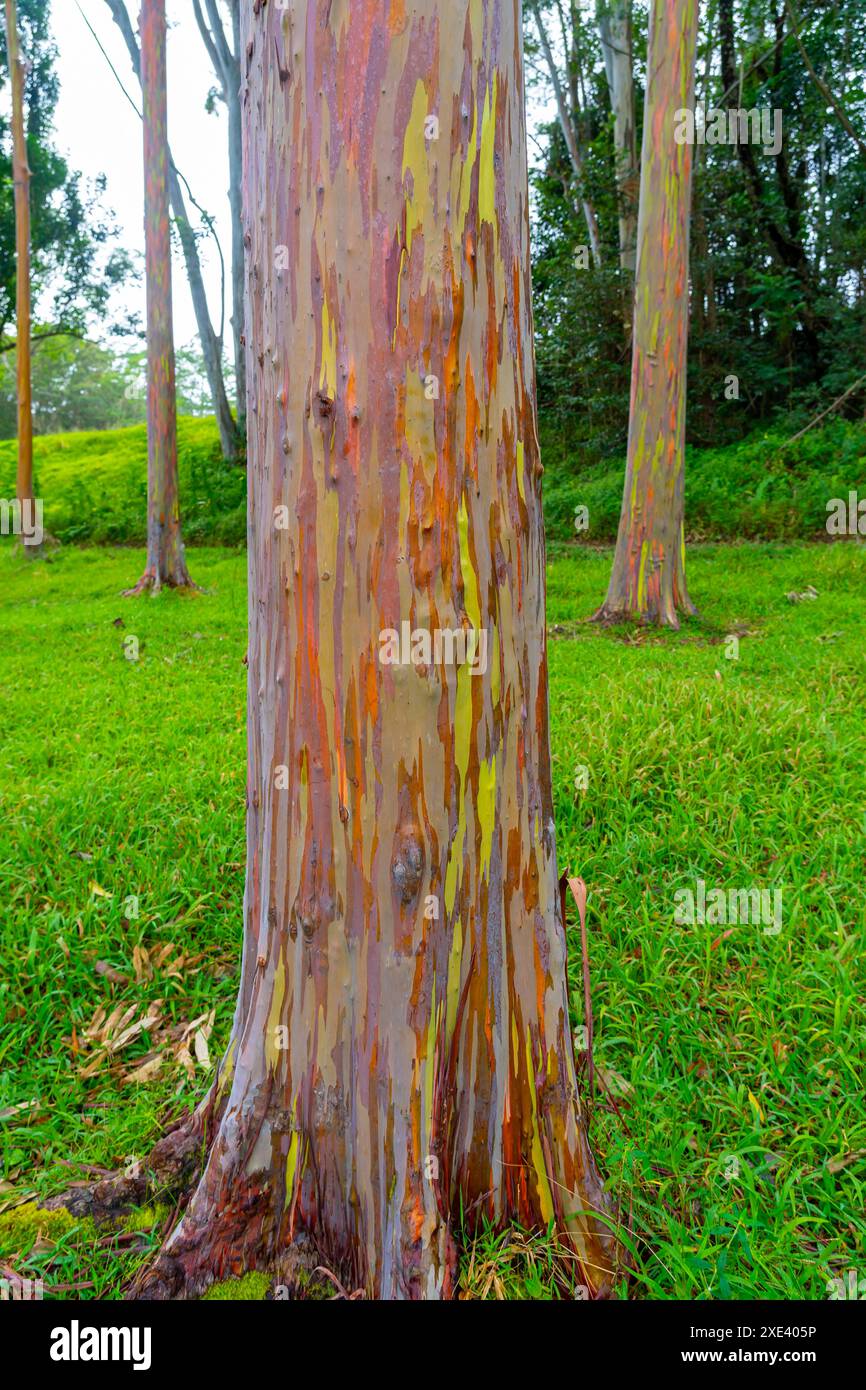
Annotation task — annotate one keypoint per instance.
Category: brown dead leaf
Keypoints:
(104, 967)
(201, 1049)
(843, 1161)
(8, 1111)
(109, 1036)
(141, 965)
(183, 1058)
(613, 1081)
(145, 1072)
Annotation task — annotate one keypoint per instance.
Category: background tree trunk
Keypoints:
(21, 178)
(648, 580)
(571, 136)
(401, 1053)
(211, 343)
(225, 60)
(165, 554)
(615, 31)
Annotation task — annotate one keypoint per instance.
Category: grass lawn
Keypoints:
(730, 1123)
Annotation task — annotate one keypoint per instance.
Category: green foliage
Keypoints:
(74, 267)
(778, 257)
(754, 490)
(95, 485)
(742, 772)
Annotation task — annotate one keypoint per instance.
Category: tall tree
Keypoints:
(166, 563)
(211, 341)
(224, 53)
(21, 176)
(648, 580)
(401, 1058)
(615, 31)
(568, 113)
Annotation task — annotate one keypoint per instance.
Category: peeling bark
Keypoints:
(648, 579)
(166, 564)
(211, 343)
(401, 1057)
(21, 179)
(615, 32)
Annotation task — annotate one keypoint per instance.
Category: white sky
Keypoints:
(100, 133)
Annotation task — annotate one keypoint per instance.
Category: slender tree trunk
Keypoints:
(21, 178)
(648, 579)
(211, 345)
(166, 563)
(236, 174)
(615, 30)
(401, 1058)
(572, 143)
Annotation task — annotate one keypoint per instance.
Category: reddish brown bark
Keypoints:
(166, 563)
(648, 579)
(401, 1058)
(21, 178)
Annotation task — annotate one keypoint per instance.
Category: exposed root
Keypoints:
(173, 1165)
(151, 582)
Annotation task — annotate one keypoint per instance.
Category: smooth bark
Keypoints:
(648, 580)
(21, 179)
(615, 32)
(401, 1060)
(211, 344)
(572, 142)
(225, 60)
(166, 564)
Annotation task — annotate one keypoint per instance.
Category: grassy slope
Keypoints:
(747, 773)
(94, 485)
(756, 490)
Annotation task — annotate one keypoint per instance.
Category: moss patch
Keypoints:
(250, 1288)
(21, 1227)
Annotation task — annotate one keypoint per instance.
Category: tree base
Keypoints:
(668, 616)
(151, 583)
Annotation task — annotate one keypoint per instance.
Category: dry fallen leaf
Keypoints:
(104, 967)
(842, 1161)
(201, 1049)
(109, 1035)
(146, 1071)
(141, 965)
(613, 1081)
(10, 1110)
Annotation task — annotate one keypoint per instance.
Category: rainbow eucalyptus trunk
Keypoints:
(615, 31)
(401, 1059)
(166, 563)
(648, 579)
(21, 179)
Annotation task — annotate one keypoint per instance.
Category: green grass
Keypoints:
(94, 484)
(756, 490)
(748, 772)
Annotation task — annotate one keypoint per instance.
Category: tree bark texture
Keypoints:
(166, 564)
(401, 1058)
(21, 179)
(211, 344)
(648, 579)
